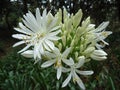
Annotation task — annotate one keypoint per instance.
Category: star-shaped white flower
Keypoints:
(73, 73)
(57, 58)
(101, 34)
(38, 31)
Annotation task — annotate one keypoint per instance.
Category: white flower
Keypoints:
(101, 34)
(57, 58)
(73, 73)
(38, 31)
(98, 55)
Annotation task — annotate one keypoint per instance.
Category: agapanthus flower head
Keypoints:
(38, 32)
(66, 46)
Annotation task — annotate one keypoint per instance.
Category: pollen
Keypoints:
(105, 34)
(75, 79)
(58, 64)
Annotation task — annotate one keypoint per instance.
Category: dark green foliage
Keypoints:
(19, 73)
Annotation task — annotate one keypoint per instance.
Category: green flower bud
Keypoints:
(89, 50)
(64, 40)
(77, 18)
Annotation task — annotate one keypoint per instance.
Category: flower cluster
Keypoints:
(66, 45)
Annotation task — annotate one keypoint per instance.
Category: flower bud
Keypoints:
(89, 50)
(60, 46)
(77, 18)
(99, 55)
(64, 40)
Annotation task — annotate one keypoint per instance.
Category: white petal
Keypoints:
(54, 38)
(66, 52)
(50, 44)
(52, 24)
(67, 80)
(18, 43)
(25, 28)
(48, 63)
(41, 49)
(28, 54)
(55, 28)
(65, 69)
(98, 46)
(44, 12)
(36, 52)
(46, 47)
(49, 55)
(105, 42)
(80, 83)
(29, 25)
(85, 72)
(38, 16)
(32, 18)
(102, 26)
(56, 51)
(20, 36)
(44, 19)
(59, 72)
(80, 62)
(54, 33)
(30, 22)
(23, 31)
(25, 48)
(68, 62)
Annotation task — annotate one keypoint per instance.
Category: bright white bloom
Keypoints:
(98, 55)
(73, 73)
(57, 58)
(38, 31)
(101, 34)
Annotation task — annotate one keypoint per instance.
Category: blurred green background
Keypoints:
(19, 73)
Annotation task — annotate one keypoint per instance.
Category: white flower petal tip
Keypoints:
(18, 43)
(67, 80)
(48, 63)
(28, 54)
(66, 52)
(85, 72)
(81, 61)
(69, 62)
(80, 83)
(59, 73)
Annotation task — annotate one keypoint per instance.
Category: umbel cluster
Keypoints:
(67, 45)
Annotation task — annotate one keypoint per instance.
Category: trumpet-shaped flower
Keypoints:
(73, 73)
(38, 31)
(57, 58)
